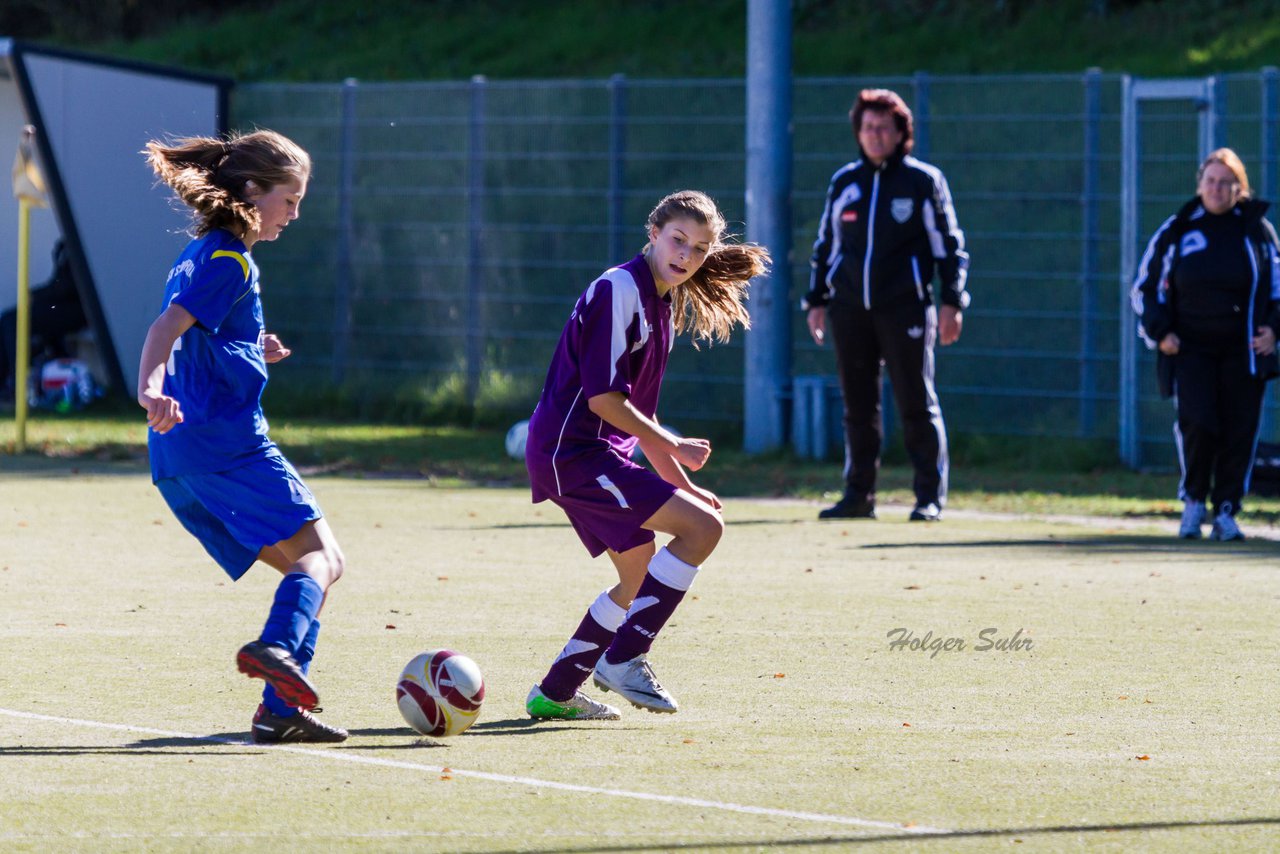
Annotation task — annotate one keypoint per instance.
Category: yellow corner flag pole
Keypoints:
(28, 188)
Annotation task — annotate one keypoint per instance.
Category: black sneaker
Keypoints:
(304, 726)
(272, 663)
(930, 512)
(850, 507)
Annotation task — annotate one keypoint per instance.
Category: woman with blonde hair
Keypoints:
(1207, 294)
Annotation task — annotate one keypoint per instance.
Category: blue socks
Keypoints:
(292, 625)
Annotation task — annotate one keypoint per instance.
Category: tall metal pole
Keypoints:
(346, 235)
(22, 358)
(617, 168)
(29, 189)
(475, 239)
(1087, 384)
(767, 371)
(1129, 440)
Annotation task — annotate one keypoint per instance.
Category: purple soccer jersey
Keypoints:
(617, 339)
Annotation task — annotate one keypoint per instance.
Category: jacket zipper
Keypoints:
(871, 239)
(1253, 296)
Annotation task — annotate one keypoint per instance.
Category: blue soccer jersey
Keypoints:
(618, 338)
(216, 370)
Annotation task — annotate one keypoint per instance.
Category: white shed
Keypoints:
(92, 117)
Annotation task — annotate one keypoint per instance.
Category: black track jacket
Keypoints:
(1157, 298)
(882, 234)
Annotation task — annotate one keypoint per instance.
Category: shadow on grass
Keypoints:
(31, 465)
(919, 839)
(1114, 543)
(152, 748)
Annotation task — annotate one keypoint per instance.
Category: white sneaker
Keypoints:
(579, 707)
(1225, 528)
(1193, 514)
(634, 680)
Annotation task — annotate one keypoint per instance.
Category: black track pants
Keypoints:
(1219, 405)
(901, 337)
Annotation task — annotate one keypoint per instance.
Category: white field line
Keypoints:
(335, 756)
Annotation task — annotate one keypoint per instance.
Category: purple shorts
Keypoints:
(610, 511)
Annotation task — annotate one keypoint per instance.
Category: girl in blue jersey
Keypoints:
(599, 401)
(203, 370)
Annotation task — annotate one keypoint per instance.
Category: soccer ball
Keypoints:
(439, 692)
(516, 438)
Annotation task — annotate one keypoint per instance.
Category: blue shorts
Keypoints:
(235, 513)
(610, 511)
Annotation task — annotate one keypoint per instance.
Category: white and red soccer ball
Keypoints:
(439, 692)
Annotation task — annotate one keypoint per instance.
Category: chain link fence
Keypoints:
(449, 228)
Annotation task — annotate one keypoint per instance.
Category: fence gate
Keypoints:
(1167, 128)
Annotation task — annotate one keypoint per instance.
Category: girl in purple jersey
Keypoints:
(600, 400)
(202, 372)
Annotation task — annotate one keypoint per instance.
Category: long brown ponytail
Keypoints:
(210, 175)
(712, 301)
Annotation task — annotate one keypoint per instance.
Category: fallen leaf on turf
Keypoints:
(779, 676)
(689, 741)
(391, 625)
(442, 578)
(906, 724)
(59, 625)
(912, 587)
(1144, 757)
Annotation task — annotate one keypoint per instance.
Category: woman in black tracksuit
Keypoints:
(1207, 294)
(887, 227)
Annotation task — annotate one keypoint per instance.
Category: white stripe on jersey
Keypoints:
(560, 438)
(626, 306)
(613, 490)
(1135, 292)
(848, 196)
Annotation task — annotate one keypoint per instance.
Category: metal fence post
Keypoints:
(767, 366)
(1215, 104)
(921, 115)
(617, 166)
(475, 240)
(344, 273)
(1130, 444)
(1270, 85)
(1089, 249)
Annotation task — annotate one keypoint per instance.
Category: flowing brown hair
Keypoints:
(210, 174)
(712, 301)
